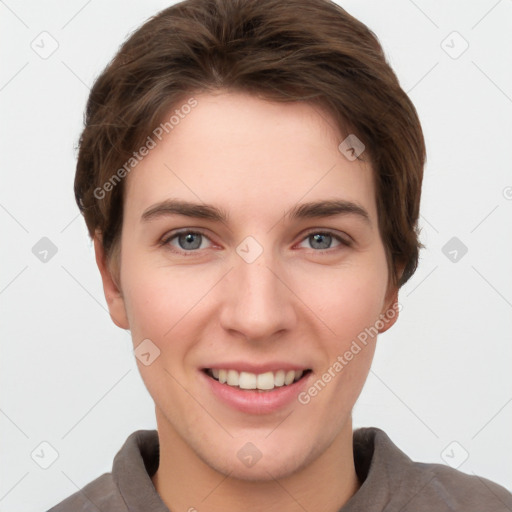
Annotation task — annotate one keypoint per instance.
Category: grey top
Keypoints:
(392, 482)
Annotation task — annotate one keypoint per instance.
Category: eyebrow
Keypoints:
(328, 208)
(311, 210)
(186, 208)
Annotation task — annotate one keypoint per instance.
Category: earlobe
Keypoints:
(389, 315)
(113, 295)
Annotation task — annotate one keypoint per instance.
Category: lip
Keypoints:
(254, 401)
(257, 368)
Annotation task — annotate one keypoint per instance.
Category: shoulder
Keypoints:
(100, 494)
(128, 486)
(390, 474)
(456, 490)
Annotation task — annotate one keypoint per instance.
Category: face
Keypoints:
(227, 271)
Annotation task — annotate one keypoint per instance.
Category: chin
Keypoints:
(263, 465)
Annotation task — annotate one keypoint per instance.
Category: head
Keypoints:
(241, 107)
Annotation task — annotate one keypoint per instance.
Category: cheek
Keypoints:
(349, 309)
(168, 305)
(156, 298)
(346, 301)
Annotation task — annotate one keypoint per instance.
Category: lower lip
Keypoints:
(253, 401)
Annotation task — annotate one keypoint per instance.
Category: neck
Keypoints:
(185, 482)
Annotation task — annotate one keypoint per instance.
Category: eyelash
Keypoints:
(165, 241)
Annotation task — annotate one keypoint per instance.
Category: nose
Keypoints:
(257, 302)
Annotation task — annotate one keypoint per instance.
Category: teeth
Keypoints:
(279, 378)
(247, 380)
(290, 375)
(263, 381)
(232, 378)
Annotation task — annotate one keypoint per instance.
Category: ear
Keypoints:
(113, 295)
(390, 311)
(391, 308)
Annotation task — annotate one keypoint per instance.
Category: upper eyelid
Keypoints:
(167, 238)
(334, 234)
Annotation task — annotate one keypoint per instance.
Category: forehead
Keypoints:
(240, 152)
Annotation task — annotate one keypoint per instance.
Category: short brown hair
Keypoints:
(293, 50)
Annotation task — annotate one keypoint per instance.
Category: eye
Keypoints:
(186, 241)
(322, 240)
(189, 241)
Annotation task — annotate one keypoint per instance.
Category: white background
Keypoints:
(441, 374)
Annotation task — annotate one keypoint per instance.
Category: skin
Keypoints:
(256, 160)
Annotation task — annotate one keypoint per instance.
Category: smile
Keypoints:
(251, 381)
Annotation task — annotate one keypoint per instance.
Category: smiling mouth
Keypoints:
(247, 381)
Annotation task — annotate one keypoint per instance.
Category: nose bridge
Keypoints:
(257, 303)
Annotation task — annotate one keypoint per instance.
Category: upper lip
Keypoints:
(241, 366)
